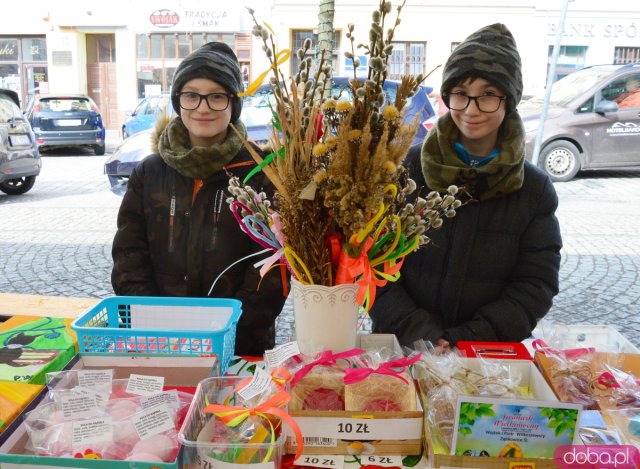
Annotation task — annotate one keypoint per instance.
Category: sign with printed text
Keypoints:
(361, 429)
(518, 428)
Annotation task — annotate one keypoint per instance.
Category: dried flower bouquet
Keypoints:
(341, 212)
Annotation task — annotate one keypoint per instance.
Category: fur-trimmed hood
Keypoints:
(161, 124)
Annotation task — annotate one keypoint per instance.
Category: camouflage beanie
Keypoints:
(489, 53)
(214, 61)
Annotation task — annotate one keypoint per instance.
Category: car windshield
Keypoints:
(8, 109)
(64, 104)
(570, 87)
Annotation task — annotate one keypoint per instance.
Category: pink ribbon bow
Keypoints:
(392, 368)
(327, 357)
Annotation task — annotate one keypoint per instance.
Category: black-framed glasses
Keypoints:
(460, 101)
(190, 100)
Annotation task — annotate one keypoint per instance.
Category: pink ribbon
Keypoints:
(541, 346)
(392, 368)
(328, 358)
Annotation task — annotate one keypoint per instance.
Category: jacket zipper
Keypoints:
(172, 216)
(217, 208)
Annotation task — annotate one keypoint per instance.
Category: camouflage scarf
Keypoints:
(197, 162)
(442, 167)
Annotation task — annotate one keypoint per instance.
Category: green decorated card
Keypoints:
(519, 428)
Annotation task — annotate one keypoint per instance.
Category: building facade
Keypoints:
(122, 51)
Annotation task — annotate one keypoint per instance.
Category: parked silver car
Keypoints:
(19, 157)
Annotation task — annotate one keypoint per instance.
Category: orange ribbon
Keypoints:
(234, 415)
(360, 270)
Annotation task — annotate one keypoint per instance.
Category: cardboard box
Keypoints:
(538, 389)
(602, 338)
(179, 371)
(339, 432)
(629, 362)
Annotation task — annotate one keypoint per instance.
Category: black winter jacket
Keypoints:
(156, 253)
(489, 274)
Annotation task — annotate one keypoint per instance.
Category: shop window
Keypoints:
(184, 45)
(407, 58)
(9, 77)
(170, 42)
(626, 55)
(156, 46)
(142, 46)
(34, 49)
(8, 50)
(570, 59)
(298, 36)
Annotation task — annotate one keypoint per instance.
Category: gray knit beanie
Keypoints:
(489, 53)
(215, 61)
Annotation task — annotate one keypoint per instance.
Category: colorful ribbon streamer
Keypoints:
(232, 416)
(391, 368)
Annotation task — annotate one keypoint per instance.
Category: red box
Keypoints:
(501, 350)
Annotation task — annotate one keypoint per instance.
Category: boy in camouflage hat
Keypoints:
(495, 270)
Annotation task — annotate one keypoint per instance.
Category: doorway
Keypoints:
(101, 76)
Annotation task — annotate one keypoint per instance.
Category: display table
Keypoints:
(12, 304)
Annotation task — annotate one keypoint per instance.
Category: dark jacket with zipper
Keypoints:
(158, 251)
(489, 274)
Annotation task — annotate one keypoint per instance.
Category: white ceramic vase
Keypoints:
(326, 318)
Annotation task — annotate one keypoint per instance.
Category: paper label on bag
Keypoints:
(320, 461)
(143, 385)
(100, 380)
(360, 429)
(78, 405)
(259, 384)
(152, 421)
(101, 398)
(277, 356)
(90, 431)
(168, 397)
(385, 461)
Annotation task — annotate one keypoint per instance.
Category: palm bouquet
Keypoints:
(342, 211)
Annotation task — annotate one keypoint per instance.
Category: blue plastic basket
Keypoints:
(162, 325)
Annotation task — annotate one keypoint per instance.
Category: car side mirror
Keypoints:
(606, 106)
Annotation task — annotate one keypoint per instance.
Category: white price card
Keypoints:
(167, 397)
(100, 380)
(152, 421)
(385, 461)
(101, 398)
(320, 460)
(78, 405)
(90, 431)
(259, 384)
(143, 385)
(278, 355)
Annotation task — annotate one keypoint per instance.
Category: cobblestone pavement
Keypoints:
(56, 240)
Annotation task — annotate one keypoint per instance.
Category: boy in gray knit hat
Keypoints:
(495, 271)
(176, 236)
(217, 62)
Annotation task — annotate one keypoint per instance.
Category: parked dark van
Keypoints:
(593, 121)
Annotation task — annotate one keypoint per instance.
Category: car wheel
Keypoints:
(560, 160)
(99, 149)
(17, 186)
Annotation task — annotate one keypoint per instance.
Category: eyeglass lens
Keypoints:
(460, 102)
(216, 101)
